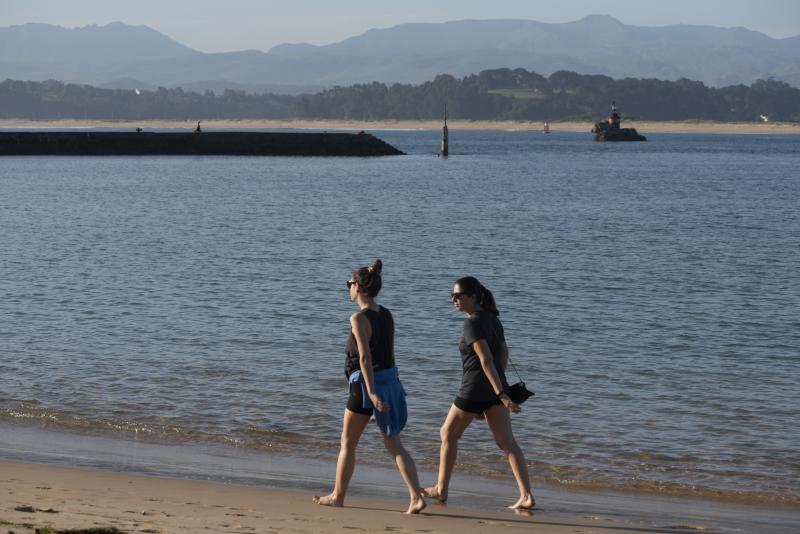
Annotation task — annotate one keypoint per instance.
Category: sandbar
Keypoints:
(644, 127)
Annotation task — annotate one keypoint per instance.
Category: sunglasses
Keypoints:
(455, 296)
(350, 284)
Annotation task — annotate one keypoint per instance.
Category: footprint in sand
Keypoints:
(494, 523)
(31, 510)
(26, 509)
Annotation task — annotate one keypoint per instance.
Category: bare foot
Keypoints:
(416, 505)
(434, 493)
(328, 500)
(526, 502)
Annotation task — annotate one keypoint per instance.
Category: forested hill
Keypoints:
(500, 94)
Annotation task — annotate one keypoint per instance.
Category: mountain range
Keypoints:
(118, 55)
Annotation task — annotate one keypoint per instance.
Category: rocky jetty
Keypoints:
(93, 143)
(603, 132)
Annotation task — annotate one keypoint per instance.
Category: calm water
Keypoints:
(650, 294)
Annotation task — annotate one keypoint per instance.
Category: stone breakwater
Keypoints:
(195, 144)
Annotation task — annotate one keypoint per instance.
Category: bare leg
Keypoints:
(408, 470)
(352, 428)
(454, 426)
(499, 421)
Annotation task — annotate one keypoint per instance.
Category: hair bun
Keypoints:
(376, 266)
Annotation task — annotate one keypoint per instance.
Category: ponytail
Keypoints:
(471, 286)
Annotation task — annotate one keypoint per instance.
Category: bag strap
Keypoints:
(515, 369)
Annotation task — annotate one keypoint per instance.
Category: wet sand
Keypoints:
(95, 481)
(36, 496)
(567, 126)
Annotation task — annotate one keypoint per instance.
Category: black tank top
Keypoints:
(381, 344)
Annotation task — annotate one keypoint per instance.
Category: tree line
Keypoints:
(498, 94)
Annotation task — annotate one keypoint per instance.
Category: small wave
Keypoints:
(165, 432)
(671, 489)
(595, 480)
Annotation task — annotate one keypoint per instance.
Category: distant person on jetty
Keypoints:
(375, 388)
(198, 130)
(484, 390)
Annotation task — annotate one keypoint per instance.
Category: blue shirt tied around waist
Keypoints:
(389, 389)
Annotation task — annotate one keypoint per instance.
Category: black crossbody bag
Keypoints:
(518, 392)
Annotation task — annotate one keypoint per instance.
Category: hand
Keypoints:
(378, 403)
(509, 404)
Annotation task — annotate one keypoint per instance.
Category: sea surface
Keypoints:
(650, 294)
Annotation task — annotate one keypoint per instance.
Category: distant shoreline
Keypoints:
(643, 127)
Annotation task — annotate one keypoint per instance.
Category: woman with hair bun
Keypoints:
(484, 390)
(375, 388)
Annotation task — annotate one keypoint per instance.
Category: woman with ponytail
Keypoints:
(484, 390)
(375, 388)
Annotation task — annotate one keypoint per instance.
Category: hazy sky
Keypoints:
(227, 25)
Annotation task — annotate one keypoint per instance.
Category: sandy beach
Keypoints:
(37, 497)
(454, 125)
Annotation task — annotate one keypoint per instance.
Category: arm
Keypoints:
(485, 356)
(362, 332)
(504, 357)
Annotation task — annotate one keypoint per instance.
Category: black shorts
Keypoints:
(473, 406)
(355, 402)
